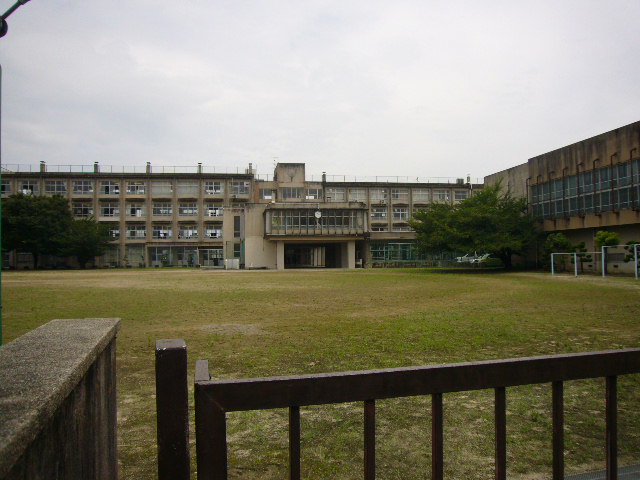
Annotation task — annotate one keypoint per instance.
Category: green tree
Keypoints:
(630, 255)
(490, 221)
(558, 243)
(35, 224)
(606, 239)
(86, 239)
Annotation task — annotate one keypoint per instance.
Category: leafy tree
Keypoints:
(583, 256)
(558, 243)
(35, 224)
(490, 221)
(630, 255)
(86, 239)
(606, 239)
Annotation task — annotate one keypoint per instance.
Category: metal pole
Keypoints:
(635, 257)
(603, 263)
(575, 264)
(553, 272)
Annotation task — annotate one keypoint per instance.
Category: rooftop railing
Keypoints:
(212, 169)
(392, 179)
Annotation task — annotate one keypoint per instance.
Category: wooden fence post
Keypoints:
(172, 410)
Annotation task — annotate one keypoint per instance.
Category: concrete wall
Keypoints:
(615, 146)
(58, 409)
(513, 179)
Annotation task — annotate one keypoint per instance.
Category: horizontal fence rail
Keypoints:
(213, 399)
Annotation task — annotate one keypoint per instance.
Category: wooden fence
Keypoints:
(213, 399)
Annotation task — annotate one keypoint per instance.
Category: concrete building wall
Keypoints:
(514, 179)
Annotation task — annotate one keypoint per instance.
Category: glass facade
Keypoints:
(604, 189)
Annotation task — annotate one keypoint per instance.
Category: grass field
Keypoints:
(250, 324)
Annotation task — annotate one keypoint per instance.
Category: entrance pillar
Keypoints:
(280, 255)
(351, 254)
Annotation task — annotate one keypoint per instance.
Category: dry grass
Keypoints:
(250, 324)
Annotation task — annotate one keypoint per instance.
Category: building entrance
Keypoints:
(312, 255)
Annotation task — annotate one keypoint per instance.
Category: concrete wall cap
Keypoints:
(38, 371)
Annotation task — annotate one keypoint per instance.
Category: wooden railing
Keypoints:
(213, 399)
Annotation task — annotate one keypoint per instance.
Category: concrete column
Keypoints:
(280, 255)
(351, 254)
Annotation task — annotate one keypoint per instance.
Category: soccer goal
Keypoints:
(576, 263)
(620, 256)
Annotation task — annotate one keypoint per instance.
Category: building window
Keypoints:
(400, 195)
(82, 209)
(136, 231)
(379, 228)
(114, 231)
(212, 231)
(135, 187)
(402, 228)
(236, 250)
(415, 210)
(188, 187)
(135, 210)
(291, 193)
(55, 187)
(239, 188)
(161, 232)
(162, 209)
(460, 195)
(188, 231)
(400, 213)
(188, 209)
(266, 194)
(441, 196)
(5, 187)
(336, 195)
(214, 188)
(358, 195)
(161, 187)
(211, 210)
(378, 195)
(110, 209)
(379, 213)
(29, 187)
(109, 187)
(82, 187)
(313, 194)
(236, 226)
(420, 195)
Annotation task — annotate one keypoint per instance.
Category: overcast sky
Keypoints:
(428, 88)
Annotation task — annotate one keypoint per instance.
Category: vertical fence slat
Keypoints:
(172, 406)
(612, 428)
(369, 440)
(211, 437)
(501, 433)
(294, 443)
(557, 407)
(437, 437)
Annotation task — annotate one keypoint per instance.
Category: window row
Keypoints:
(605, 201)
(396, 195)
(308, 220)
(112, 187)
(165, 232)
(599, 190)
(133, 209)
